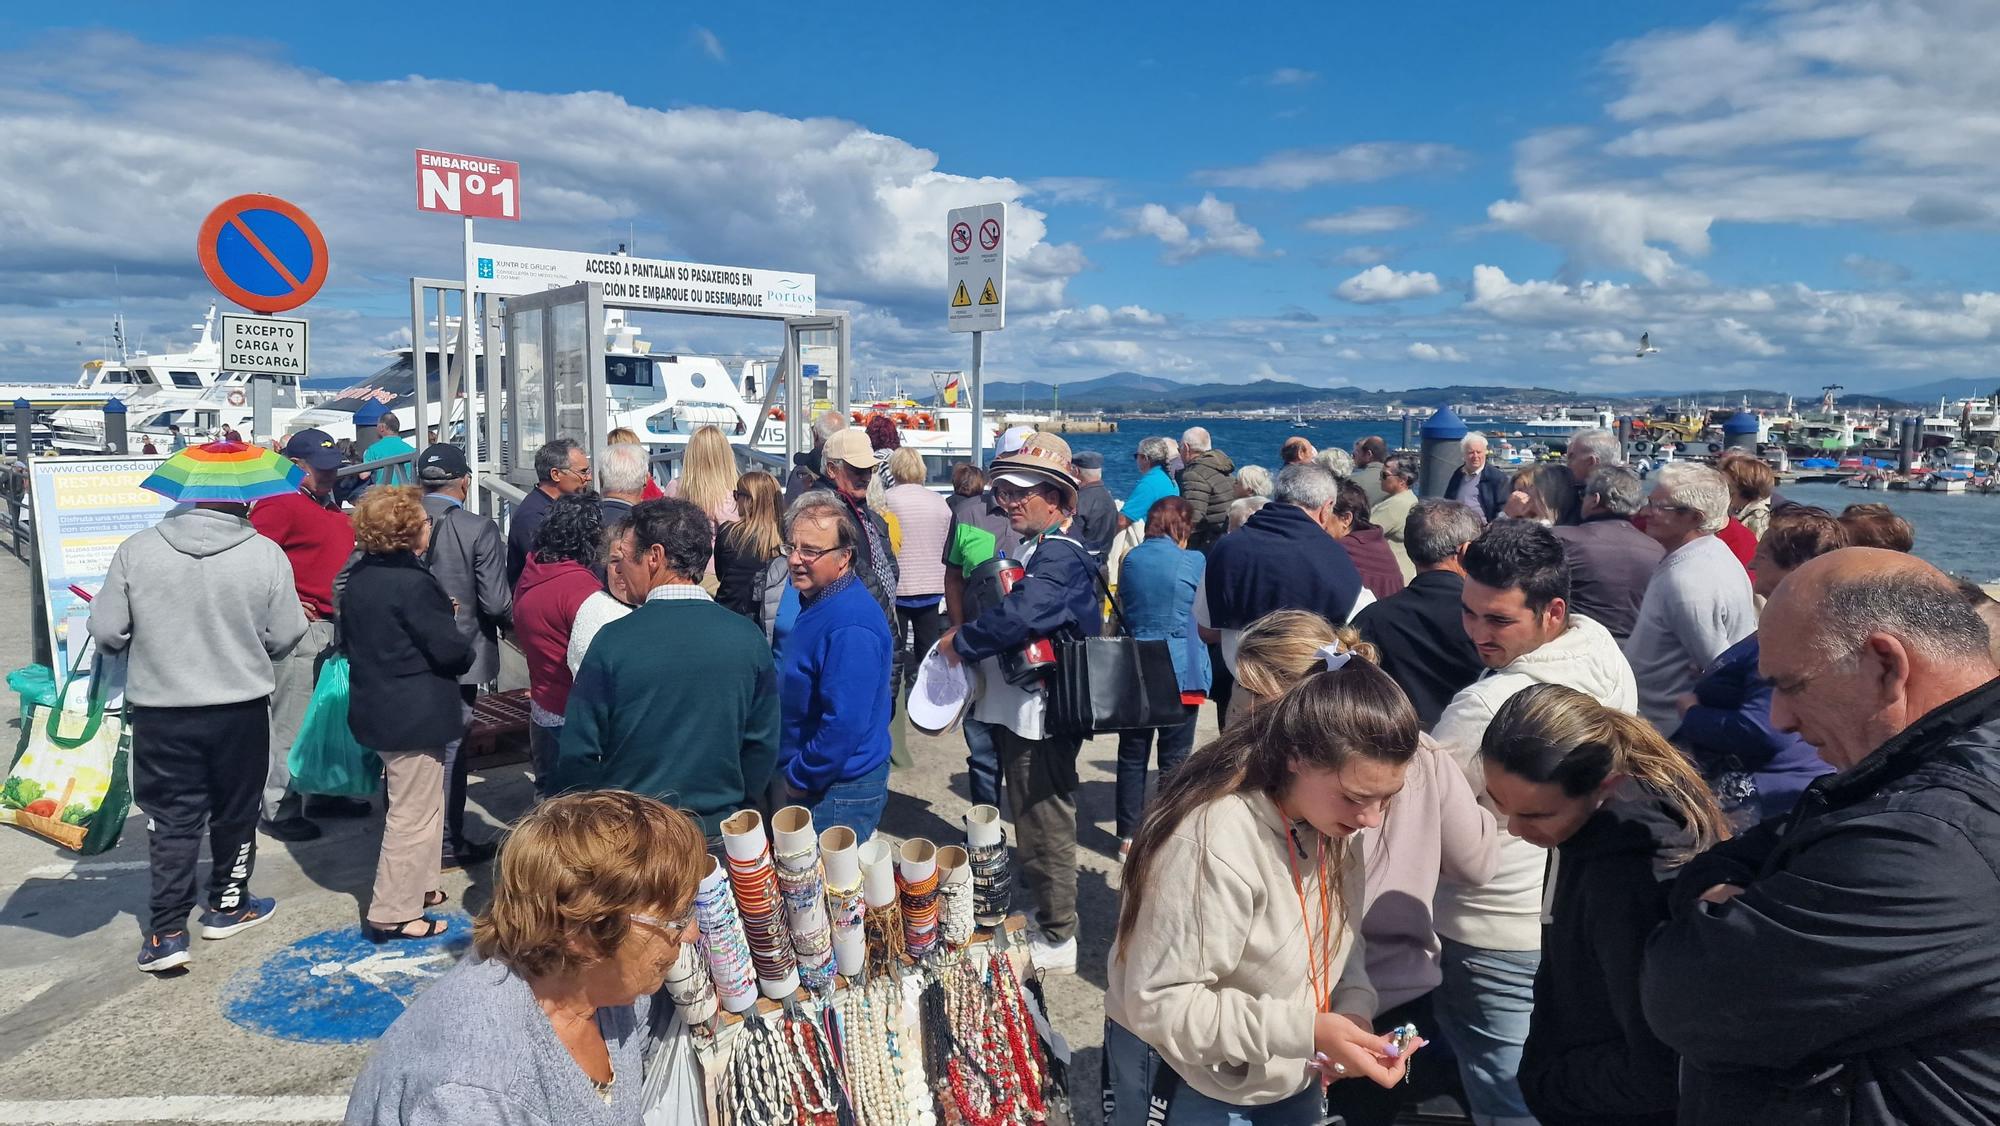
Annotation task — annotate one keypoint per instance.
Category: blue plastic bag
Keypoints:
(326, 759)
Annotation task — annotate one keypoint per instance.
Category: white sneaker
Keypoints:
(1051, 957)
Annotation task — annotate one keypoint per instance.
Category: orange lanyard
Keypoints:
(1319, 973)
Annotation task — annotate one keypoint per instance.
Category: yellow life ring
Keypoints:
(236, 398)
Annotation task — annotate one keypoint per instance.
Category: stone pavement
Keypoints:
(272, 1025)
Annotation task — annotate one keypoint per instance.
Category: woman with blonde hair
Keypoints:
(403, 700)
(1434, 828)
(708, 476)
(1620, 811)
(547, 1021)
(746, 546)
(1222, 1004)
(626, 436)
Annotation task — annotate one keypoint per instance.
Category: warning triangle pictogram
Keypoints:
(961, 299)
(989, 297)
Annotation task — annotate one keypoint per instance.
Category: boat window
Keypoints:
(185, 378)
(143, 375)
(698, 380)
(628, 371)
(118, 376)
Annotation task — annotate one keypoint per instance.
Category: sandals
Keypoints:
(435, 899)
(401, 931)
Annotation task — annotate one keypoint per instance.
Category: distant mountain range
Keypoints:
(1135, 391)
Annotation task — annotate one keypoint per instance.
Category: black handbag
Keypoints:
(1121, 683)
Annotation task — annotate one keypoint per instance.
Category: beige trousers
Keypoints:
(412, 836)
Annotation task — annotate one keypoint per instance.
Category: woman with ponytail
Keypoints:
(1435, 828)
(1237, 985)
(1620, 810)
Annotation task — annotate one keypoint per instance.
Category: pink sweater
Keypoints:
(925, 518)
(1435, 827)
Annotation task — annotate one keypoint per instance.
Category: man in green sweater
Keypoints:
(677, 700)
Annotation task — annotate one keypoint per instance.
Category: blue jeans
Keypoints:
(1131, 1068)
(542, 745)
(1135, 750)
(1482, 1010)
(982, 763)
(856, 803)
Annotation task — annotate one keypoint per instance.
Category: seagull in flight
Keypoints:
(1646, 345)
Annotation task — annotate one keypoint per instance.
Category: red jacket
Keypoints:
(1740, 540)
(545, 604)
(316, 539)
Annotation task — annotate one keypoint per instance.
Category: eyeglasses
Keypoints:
(1656, 506)
(1793, 685)
(1007, 496)
(583, 473)
(673, 928)
(808, 554)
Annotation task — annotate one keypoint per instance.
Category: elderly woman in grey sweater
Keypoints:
(547, 1021)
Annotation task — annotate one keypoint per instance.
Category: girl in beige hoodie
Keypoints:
(1237, 962)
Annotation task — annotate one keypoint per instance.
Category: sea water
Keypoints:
(1953, 529)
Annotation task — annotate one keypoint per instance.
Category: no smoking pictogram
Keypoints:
(989, 234)
(961, 237)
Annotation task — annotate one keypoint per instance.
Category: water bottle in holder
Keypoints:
(1037, 655)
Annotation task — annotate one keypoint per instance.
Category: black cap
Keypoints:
(442, 462)
(1087, 459)
(314, 447)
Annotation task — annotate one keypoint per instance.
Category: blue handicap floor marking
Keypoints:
(336, 987)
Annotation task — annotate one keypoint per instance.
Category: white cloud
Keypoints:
(1546, 302)
(1098, 316)
(1853, 111)
(1436, 354)
(1291, 76)
(1364, 255)
(1878, 270)
(1293, 169)
(79, 144)
(1365, 221)
(1207, 227)
(1745, 339)
(1380, 283)
(710, 44)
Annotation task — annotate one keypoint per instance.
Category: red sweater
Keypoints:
(316, 539)
(1741, 540)
(545, 604)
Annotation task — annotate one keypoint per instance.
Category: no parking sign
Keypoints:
(262, 253)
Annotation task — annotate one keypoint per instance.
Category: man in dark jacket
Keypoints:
(640, 716)
(1610, 559)
(1843, 964)
(1096, 513)
(469, 560)
(561, 467)
(1283, 558)
(1476, 483)
(1207, 482)
(1057, 596)
(1420, 631)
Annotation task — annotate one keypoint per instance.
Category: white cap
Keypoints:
(1012, 440)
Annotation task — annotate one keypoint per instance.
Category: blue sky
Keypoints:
(1383, 195)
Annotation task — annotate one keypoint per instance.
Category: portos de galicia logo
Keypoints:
(787, 292)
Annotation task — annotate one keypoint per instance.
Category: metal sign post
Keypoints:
(465, 186)
(976, 282)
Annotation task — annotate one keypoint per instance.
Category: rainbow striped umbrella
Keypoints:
(224, 472)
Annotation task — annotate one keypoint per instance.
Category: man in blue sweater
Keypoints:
(833, 679)
(677, 700)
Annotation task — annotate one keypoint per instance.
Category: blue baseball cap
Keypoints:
(314, 447)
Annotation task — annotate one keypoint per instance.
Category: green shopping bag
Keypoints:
(326, 759)
(70, 779)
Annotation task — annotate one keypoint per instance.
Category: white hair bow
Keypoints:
(1335, 656)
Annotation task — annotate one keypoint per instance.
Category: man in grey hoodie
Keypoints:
(201, 604)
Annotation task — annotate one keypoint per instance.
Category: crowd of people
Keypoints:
(1600, 798)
